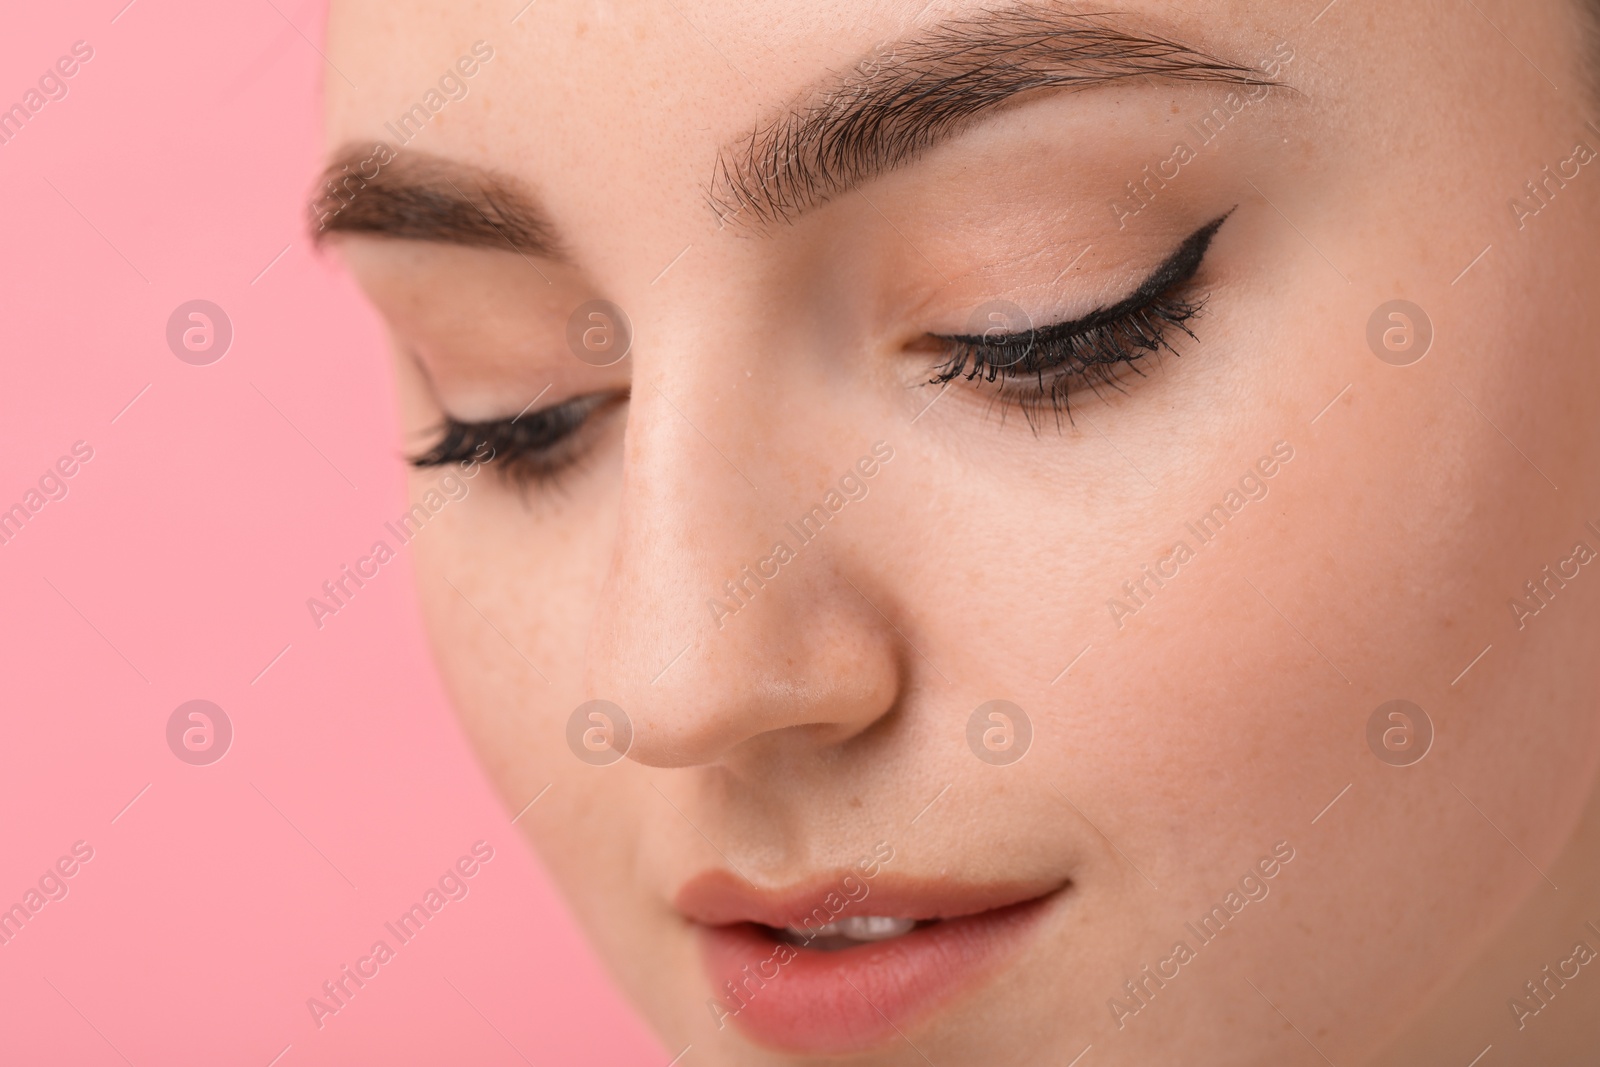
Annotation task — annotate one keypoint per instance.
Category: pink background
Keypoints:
(181, 560)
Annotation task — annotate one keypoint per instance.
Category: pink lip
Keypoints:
(804, 1000)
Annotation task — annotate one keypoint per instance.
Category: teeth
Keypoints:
(874, 927)
(859, 928)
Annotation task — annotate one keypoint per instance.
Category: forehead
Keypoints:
(594, 80)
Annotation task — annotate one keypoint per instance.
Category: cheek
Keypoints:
(1380, 568)
(1233, 705)
(588, 824)
(514, 661)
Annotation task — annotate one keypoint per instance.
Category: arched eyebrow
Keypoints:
(901, 100)
(912, 94)
(422, 197)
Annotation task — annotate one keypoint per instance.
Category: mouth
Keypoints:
(845, 933)
(845, 966)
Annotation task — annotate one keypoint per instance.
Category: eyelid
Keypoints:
(1045, 365)
(527, 444)
(1174, 270)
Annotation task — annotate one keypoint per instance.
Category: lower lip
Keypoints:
(856, 998)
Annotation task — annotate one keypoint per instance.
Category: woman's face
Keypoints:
(1194, 381)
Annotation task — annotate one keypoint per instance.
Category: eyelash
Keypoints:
(527, 447)
(1041, 368)
(1036, 368)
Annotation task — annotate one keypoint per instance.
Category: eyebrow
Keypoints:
(908, 96)
(899, 101)
(420, 197)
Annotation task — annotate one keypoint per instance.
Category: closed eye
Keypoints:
(1042, 367)
(534, 446)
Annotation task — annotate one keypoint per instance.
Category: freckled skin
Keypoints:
(1221, 717)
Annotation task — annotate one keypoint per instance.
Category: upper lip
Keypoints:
(720, 898)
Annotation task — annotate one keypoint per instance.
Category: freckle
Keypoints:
(855, 802)
(581, 29)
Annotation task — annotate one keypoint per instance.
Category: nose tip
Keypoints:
(801, 663)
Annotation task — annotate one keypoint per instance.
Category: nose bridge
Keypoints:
(716, 623)
(684, 513)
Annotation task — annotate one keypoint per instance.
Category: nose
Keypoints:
(732, 611)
